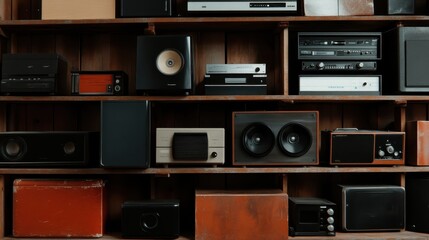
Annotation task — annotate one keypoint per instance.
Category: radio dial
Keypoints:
(214, 154)
(117, 88)
(381, 153)
(330, 211)
(330, 228)
(330, 220)
(359, 65)
(320, 65)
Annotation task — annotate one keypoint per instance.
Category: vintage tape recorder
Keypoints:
(311, 216)
(99, 83)
(190, 146)
(363, 147)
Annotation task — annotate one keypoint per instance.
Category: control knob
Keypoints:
(390, 149)
(321, 65)
(360, 65)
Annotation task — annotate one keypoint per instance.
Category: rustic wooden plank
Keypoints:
(2, 206)
(95, 53)
(284, 56)
(68, 46)
(5, 9)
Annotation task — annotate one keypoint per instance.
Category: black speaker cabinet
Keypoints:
(151, 219)
(147, 8)
(125, 134)
(275, 138)
(417, 203)
(371, 208)
(406, 55)
(26, 149)
(164, 65)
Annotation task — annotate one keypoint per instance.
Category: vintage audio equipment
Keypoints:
(151, 219)
(371, 208)
(340, 66)
(400, 7)
(288, 7)
(309, 216)
(49, 208)
(235, 79)
(99, 83)
(190, 146)
(339, 85)
(241, 214)
(235, 84)
(164, 65)
(275, 138)
(406, 59)
(78, 9)
(151, 8)
(363, 147)
(125, 134)
(417, 142)
(417, 200)
(256, 68)
(339, 45)
(32, 73)
(33, 149)
(338, 7)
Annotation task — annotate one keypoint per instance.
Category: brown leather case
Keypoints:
(417, 143)
(57, 208)
(241, 215)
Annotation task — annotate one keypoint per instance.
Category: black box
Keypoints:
(151, 219)
(400, 7)
(146, 8)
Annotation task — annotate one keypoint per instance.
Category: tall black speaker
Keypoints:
(417, 203)
(275, 138)
(164, 65)
(125, 134)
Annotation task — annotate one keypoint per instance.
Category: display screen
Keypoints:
(309, 216)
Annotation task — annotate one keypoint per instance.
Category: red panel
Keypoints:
(58, 208)
(241, 215)
(417, 143)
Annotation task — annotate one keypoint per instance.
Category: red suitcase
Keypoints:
(58, 208)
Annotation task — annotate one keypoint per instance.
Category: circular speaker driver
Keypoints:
(169, 62)
(294, 139)
(258, 140)
(13, 149)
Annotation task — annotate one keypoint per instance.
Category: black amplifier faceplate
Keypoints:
(346, 66)
(339, 45)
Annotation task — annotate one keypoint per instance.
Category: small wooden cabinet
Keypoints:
(111, 45)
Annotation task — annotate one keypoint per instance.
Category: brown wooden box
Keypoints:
(417, 143)
(57, 208)
(78, 9)
(241, 215)
(338, 7)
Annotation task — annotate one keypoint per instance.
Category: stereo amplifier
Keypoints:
(363, 147)
(340, 85)
(99, 83)
(244, 6)
(190, 146)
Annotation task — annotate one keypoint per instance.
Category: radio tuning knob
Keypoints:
(330, 228)
(330, 211)
(320, 65)
(330, 220)
(359, 65)
(214, 154)
(381, 153)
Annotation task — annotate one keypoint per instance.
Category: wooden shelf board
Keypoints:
(215, 170)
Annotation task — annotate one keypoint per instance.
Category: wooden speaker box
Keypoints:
(241, 215)
(417, 143)
(58, 208)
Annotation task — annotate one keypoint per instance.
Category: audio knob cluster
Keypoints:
(339, 66)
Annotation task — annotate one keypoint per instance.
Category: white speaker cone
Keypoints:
(169, 62)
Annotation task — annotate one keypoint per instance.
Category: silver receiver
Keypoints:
(190, 146)
(257, 68)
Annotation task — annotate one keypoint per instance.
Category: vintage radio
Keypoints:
(99, 83)
(309, 216)
(241, 214)
(370, 207)
(33, 73)
(190, 146)
(363, 147)
(151, 219)
(31, 149)
(47, 208)
(275, 138)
